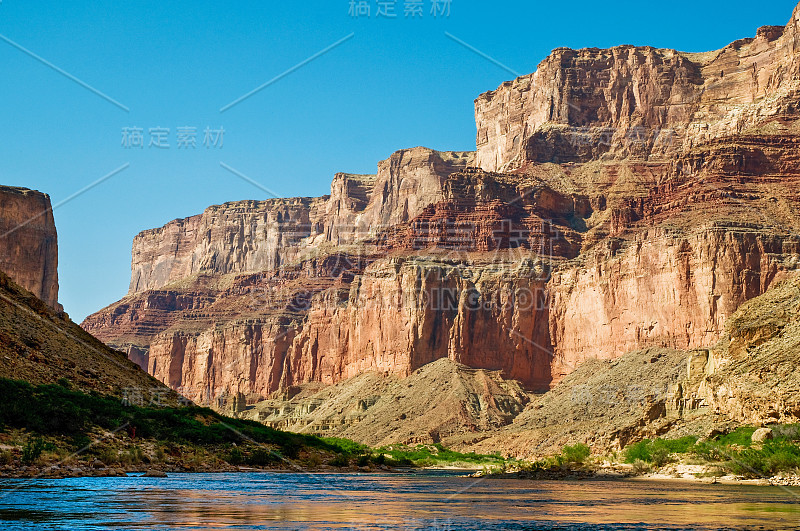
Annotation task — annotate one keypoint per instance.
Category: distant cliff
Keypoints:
(638, 102)
(28, 242)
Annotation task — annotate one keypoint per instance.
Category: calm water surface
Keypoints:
(391, 501)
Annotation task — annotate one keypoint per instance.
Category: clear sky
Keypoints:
(389, 83)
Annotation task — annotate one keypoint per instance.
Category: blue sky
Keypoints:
(395, 83)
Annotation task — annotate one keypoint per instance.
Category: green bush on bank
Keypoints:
(773, 457)
(432, 455)
(55, 410)
(658, 451)
(576, 454)
(734, 451)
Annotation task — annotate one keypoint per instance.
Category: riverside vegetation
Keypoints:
(738, 455)
(53, 430)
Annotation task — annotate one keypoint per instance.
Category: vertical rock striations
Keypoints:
(623, 199)
(638, 102)
(28, 242)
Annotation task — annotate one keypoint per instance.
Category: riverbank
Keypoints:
(683, 474)
(747, 455)
(98, 470)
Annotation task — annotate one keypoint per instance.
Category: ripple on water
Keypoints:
(386, 502)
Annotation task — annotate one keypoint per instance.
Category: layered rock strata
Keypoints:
(564, 245)
(28, 242)
(641, 102)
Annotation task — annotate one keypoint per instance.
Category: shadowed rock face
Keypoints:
(28, 242)
(590, 243)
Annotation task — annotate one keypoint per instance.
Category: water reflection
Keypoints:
(382, 502)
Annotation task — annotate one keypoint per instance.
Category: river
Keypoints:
(430, 501)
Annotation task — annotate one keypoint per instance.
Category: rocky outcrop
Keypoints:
(28, 242)
(578, 250)
(604, 404)
(751, 375)
(641, 102)
(251, 236)
(406, 183)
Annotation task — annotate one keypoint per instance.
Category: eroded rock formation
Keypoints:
(623, 199)
(28, 242)
(639, 102)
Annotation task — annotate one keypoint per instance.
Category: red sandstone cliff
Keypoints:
(646, 195)
(28, 243)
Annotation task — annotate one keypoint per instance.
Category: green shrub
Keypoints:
(109, 456)
(576, 454)
(640, 467)
(133, 456)
(638, 452)
(339, 461)
(33, 450)
(773, 457)
(160, 455)
(658, 451)
(786, 432)
(741, 436)
(6, 457)
(660, 456)
(235, 456)
(80, 442)
(57, 410)
(709, 451)
(346, 446)
(263, 457)
(677, 446)
(423, 455)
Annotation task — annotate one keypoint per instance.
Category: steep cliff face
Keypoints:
(403, 313)
(251, 236)
(28, 242)
(230, 238)
(667, 288)
(645, 195)
(638, 102)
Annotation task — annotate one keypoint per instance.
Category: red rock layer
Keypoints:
(595, 242)
(28, 242)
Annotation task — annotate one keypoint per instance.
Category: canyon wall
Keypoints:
(230, 238)
(620, 199)
(28, 242)
(638, 102)
(249, 236)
